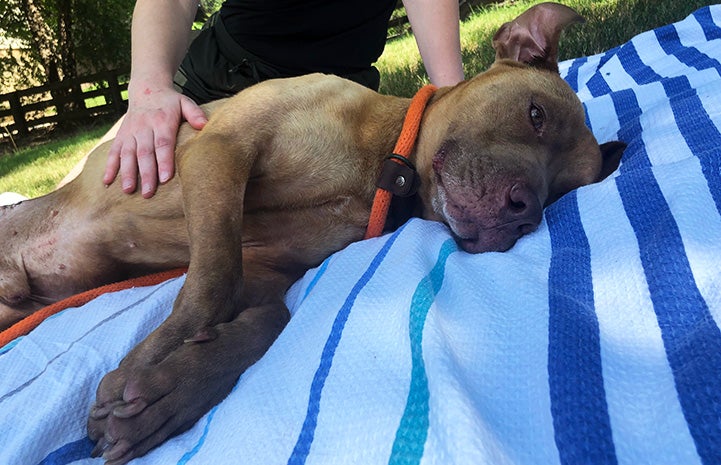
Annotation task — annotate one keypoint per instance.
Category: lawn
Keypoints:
(608, 23)
(37, 170)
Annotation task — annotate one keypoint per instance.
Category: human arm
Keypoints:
(145, 142)
(435, 26)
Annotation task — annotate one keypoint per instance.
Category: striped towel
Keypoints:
(594, 340)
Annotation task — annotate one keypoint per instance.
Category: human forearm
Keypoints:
(159, 36)
(435, 26)
(144, 146)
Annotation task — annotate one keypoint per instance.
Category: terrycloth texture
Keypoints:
(31, 322)
(594, 340)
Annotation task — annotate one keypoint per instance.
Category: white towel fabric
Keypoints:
(9, 198)
(594, 340)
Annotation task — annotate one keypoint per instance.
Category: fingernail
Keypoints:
(164, 176)
(127, 184)
(147, 188)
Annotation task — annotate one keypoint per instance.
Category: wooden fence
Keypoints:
(83, 98)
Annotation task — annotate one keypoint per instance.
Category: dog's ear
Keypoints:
(532, 37)
(611, 152)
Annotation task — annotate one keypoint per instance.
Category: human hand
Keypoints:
(145, 142)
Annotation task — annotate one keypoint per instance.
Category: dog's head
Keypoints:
(510, 141)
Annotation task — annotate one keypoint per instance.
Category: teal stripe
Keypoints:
(316, 278)
(413, 429)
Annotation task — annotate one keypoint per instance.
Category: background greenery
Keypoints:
(36, 170)
(608, 23)
(59, 39)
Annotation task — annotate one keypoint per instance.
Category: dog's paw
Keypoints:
(139, 408)
(143, 417)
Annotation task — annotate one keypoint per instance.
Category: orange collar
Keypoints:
(398, 175)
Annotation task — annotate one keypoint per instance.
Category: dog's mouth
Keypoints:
(498, 238)
(479, 223)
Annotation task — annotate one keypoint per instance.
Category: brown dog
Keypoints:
(282, 176)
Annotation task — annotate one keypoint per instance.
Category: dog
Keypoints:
(283, 175)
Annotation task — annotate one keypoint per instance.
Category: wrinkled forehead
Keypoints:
(507, 81)
(505, 94)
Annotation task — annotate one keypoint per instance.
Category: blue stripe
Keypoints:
(571, 76)
(628, 111)
(413, 429)
(704, 18)
(693, 121)
(596, 85)
(70, 452)
(8, 347)
(691, 338)
(198, 445)
(711, 167)
(607, 55)
(38, 377)
(698, 130)
(670, 42)
(634, 67)
(321, 270)
(582, 427)
(307, 433)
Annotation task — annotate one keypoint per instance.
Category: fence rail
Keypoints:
(85, 97)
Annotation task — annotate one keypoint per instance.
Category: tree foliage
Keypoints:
(60, 39)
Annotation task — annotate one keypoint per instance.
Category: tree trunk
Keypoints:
(66, 46)
(56, 50)
(66, 54)
(42, 38)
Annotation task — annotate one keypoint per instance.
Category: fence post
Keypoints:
(18, 114)
(116, 97)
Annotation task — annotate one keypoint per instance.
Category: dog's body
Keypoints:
(282, 176)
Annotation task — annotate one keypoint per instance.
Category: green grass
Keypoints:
(37, 170)
(608, 23)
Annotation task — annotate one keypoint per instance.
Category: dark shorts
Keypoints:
(216, 66)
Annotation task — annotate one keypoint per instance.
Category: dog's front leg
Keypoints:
(171, 396)
(214, 177)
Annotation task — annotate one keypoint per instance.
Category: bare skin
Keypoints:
(142, 153)
(281, 176)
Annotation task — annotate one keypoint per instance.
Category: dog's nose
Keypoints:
(524, 210)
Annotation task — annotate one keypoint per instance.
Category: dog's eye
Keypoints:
(538, 117)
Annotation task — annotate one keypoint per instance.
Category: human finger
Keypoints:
(147, 163)
(112, 164)
(128, 166)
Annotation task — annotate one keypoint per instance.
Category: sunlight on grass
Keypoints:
(36, 171)
(609, 23)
